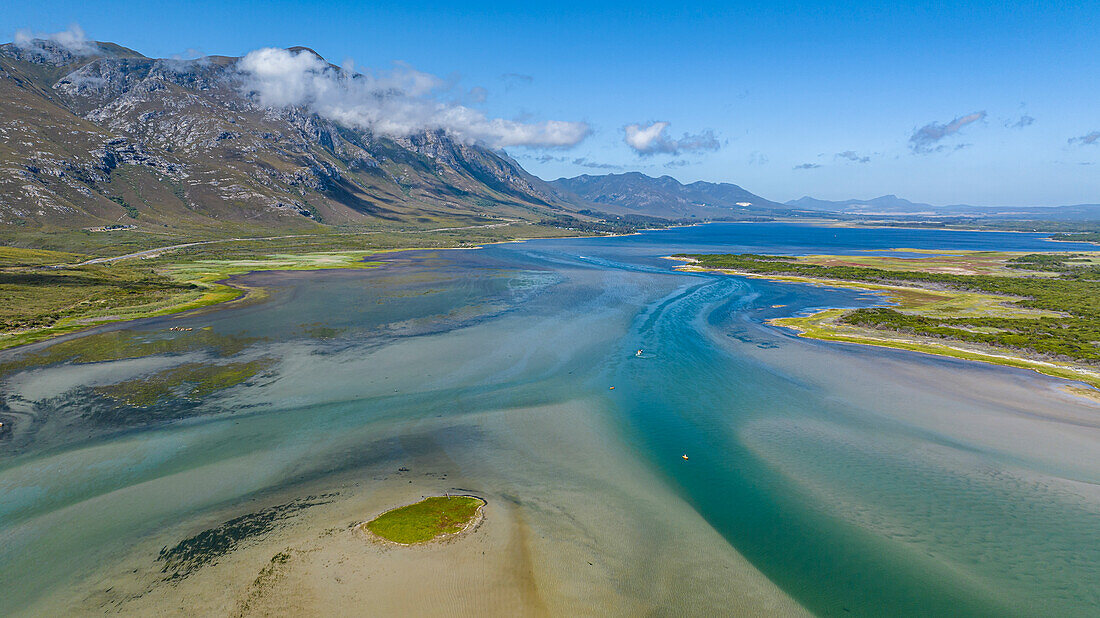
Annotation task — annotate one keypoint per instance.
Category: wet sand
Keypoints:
(578, 530)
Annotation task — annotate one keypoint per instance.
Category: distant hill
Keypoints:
(107, 136)
(893, 205)
(885, 203)
(636, 193)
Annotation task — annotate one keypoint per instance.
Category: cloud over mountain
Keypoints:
(393, 103)
(926, 139)
(653, 138)
(49, 45)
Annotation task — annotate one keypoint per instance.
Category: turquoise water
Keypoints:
(861, 481)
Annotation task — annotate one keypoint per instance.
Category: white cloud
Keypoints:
(653, 138)
(71, 40)
(394, 103)
(924, 139)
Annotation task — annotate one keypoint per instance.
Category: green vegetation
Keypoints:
(37, 302)
(189, 380)
(122, 344)
(18, 257)
(130, 210)
(33, 298)
(46, 293)
(948, 222)
(426, 520)
(610, 224)
(1078, 237)
(1041, 305)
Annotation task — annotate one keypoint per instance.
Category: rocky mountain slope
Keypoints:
(636, 193)
(105, 136)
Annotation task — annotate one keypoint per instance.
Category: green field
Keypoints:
(426, 520)
(1078, 237)
(42, 301)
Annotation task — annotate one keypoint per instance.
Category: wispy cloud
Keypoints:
(1023, 121)
(393, 103)
(677, 163)
(851, 155)
(478, 94)
(546, 158)
(926, 139)
(585, 162)
(581, 161)
(515, 80)
(1087, 139)
(758, 158)
(48, 45)
(653, 138)
(807, 166)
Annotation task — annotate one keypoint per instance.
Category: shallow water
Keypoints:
(858, 480)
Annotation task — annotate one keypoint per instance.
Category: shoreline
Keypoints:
(215, 289)
(821, 326)
(211, 277)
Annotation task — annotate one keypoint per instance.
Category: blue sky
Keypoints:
(950, 102)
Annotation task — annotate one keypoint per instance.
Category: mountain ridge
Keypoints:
(665, 196)
(105, 135)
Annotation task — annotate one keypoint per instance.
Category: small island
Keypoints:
(427, 520)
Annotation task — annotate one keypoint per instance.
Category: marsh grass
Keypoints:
(189, 380)
(125, 344)
(426, 520)
(1039, 311)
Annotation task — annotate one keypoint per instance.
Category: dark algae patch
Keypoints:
(426, 520)
(206, 547)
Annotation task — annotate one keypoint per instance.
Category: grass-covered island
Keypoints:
(1039, 311)
(427, 520)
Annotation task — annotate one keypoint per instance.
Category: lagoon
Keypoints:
(822, 478)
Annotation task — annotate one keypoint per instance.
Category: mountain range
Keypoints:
(105, 136)
(893, 205)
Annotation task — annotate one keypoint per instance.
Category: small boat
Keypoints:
(638, 353)
(611, 388)
(684, 456)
